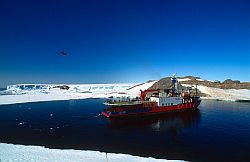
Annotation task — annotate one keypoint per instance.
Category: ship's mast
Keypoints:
(174, 83)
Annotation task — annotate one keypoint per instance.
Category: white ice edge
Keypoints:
(10, 152)
(73, 93)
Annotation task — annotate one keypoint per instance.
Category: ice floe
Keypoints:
(10, 152)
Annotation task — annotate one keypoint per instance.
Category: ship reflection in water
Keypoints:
(172, 122)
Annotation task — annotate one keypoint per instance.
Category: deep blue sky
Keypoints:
(123, 40)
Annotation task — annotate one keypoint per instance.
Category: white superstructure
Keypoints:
(166, 101)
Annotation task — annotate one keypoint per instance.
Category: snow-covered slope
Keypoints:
(223, 94)
(9, 152)
(183, 79)
(136, 90)
(227, 90)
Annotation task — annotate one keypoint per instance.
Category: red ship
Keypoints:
(153, 102)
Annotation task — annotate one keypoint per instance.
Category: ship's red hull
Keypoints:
(148, 110)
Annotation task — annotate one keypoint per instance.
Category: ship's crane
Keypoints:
(145, 92)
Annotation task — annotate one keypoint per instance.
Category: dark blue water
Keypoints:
(218, 131)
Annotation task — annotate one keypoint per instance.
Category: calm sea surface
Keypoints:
(217, 131)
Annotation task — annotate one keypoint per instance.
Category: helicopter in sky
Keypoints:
(63, 53)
